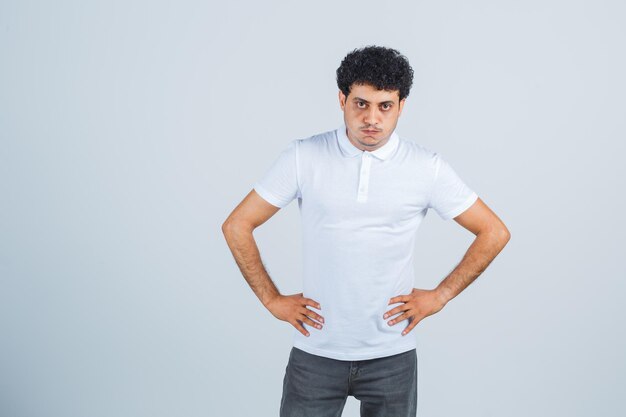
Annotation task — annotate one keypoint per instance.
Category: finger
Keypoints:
(395, 311)
(313, 315)
(398, 319)
(312, 303)
(299, 326)
(311, 322)
(399, 299)
(410, 327)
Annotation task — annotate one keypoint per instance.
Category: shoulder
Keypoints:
(295, 146)
(418, 149)
(318, 139)
(318, 144)
(419, 153)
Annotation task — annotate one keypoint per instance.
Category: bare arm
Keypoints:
(238, 229)
(252, 212)
(491, 237)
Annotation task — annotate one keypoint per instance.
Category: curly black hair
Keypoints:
(383, 68)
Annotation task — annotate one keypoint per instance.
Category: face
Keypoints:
(370, 115)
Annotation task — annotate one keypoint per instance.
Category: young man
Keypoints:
(362, 192)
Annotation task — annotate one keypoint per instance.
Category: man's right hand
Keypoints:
(292, 309)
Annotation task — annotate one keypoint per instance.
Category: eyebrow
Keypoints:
(382, 102)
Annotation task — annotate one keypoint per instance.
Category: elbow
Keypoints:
(498, 234)
(503, 235)
(228, 227)
(232, 226)
(225, 227)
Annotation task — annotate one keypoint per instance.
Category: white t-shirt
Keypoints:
(360, 211)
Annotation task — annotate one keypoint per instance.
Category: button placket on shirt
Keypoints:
(364, 177)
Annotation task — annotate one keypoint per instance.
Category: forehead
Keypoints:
(371, 94)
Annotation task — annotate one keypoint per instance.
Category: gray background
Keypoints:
(130, 130)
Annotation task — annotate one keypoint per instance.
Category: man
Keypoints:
(362, 192)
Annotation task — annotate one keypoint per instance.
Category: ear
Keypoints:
(342, 99)
(401, 106)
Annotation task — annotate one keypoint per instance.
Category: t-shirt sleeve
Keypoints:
(450, 196)
(279, 185)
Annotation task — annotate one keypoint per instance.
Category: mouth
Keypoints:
(370, 132)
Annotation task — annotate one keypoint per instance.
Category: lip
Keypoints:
(370, 131)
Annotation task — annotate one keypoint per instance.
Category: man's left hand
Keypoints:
(417, 305)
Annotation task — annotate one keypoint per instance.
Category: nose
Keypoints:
(371, 117)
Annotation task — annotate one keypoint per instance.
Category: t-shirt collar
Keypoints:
(349, 150)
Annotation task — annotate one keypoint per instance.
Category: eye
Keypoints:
(358, 103)
(386, 106)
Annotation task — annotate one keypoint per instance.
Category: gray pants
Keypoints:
(316, 386)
